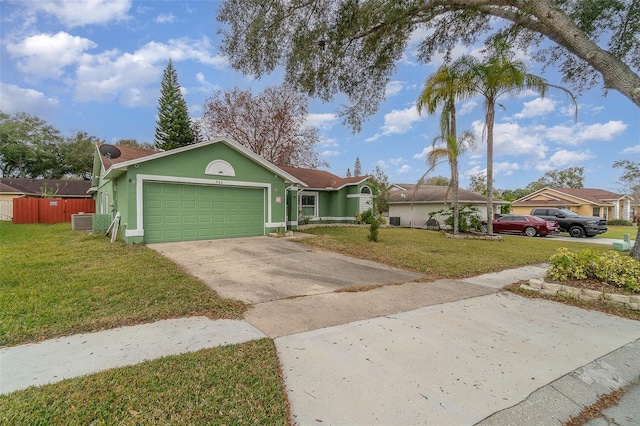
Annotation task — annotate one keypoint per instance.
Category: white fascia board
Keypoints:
(230, 142)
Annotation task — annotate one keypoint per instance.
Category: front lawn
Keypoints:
(619, 231)
(433, 254)
(55, 281)
(234, 384)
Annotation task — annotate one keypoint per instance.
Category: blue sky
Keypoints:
(96, 66)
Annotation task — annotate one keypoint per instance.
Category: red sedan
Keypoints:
(524, 224)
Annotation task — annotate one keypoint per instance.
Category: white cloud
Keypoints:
(77, 13)
(467, 107)
(165, 18)
(114, 74)
(423, 155)
(328, 142)
(396, 161)
(505, 168)
(563, 159)
(206, 86)
(330, 153)
(536, 108)
(574, 135)
(393, 88)
(632, 150)
(514, 140)
(397, 122)
(382, 164)
(322, 121)
(17, 99)
(404, 169)
(601, 131)
(46, 55)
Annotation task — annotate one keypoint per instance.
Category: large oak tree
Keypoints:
(328, 47)
(351, 46)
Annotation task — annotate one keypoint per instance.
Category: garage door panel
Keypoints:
(175, 212)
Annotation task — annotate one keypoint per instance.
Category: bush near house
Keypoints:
(608, 267)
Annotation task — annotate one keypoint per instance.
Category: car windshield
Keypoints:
(567, 212)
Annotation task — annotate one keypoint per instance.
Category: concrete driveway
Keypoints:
(262, 269)
(443, 352)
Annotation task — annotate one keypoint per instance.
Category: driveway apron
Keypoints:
(261, 269)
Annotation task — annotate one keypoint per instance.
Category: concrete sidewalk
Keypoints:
(450, 351)
(58, 359)
(453, 363)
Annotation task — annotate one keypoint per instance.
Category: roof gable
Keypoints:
(570, 196)
(131, 156)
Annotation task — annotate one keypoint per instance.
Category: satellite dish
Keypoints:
(109, 151)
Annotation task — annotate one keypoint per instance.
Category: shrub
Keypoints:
(374, 224)
(608, 267)
(365, 216)
(468, 218)
(619, 222)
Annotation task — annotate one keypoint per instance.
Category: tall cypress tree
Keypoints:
(357, 168)
(173, 127)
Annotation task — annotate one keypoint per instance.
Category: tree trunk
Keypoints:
(564, 31)
(454, 196)
(489, 118)
(635, 251)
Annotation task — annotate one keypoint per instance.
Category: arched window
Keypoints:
(220, 168)
(365, 190)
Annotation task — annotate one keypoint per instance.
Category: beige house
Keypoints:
(584, 201)
(410, 207)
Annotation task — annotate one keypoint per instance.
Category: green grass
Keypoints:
(236, 384)
(55, 281)
(619, 231)
(433, 254)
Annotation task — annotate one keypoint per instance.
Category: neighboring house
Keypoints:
(30, 212)
(413, 205)
(214, 189)
(11, 188)
(584, 201)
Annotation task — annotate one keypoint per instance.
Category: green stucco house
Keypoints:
(215, 189)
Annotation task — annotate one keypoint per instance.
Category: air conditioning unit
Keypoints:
(82, 222)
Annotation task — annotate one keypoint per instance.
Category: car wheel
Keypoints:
(576, 231)
(530, 231)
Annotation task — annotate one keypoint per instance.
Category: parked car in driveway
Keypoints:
(523, 224)
(577, 226)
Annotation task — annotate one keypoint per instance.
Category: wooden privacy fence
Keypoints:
(49, 210)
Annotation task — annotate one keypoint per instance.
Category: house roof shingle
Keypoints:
(322, 179)
(36, 187)
(591, 195)
(431, 194)
(127, 153)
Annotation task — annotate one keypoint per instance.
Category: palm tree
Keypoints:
(499, 74)
(444, 88)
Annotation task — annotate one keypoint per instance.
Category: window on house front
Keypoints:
(104, 203)
(308, 203)
(596, 212)
(365, 190)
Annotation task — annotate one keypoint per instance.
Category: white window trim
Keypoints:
(315, 194)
